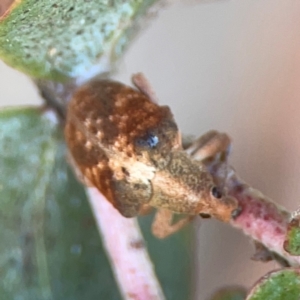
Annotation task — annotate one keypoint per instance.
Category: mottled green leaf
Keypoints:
(278, 285)
(62, 39)
(292, 241)
(230, 293)
(50, 247)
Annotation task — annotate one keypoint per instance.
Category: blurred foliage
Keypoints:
(63, 39)
(278, 285)
(50, 247)
(292, 242)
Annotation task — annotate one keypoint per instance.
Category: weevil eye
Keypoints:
(216, 192)
(149, 140)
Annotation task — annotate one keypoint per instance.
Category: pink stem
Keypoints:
(260, 218)
(125, 247)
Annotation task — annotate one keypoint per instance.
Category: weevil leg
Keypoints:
(162, 224)
(187, 140)
(213, 145)
(142, 83)
(210, 145)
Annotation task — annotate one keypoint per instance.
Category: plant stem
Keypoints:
(260, 218)
(126, 250)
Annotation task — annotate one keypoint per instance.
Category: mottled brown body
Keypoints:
(130, 149)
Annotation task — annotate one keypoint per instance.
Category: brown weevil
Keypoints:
(130, 149)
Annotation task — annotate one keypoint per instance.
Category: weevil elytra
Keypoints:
(130, 149)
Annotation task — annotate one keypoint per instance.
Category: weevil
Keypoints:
(129, 147)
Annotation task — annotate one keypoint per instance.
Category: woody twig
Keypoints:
(260, 218)
(126, 250)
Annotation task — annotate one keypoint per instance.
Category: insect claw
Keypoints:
(235, 213)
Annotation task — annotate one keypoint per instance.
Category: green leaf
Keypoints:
(292, 241)
(50, 247)
(230, 293)
(61, 39)
(278, 285)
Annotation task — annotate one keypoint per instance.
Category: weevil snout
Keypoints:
(225, 208)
